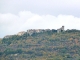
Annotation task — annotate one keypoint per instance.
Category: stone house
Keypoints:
(60, 29)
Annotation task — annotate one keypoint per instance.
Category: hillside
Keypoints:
(47, 45)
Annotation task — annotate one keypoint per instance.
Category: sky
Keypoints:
(21, 15)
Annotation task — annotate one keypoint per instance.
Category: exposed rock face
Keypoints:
(21, 33)
(0, 38)
(7, 36)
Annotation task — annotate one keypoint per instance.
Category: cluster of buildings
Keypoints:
(31, 31)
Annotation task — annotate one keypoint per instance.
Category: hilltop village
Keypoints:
(31, 31)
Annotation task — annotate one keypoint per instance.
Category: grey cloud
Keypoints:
(52, 7)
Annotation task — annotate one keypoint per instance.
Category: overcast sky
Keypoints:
(21, 15)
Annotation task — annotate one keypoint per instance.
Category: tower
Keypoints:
(62, 28)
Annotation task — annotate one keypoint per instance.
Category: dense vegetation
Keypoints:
(48, 45)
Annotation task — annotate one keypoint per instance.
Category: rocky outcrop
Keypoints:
(7, 36)
(21, 33)
(0, 38)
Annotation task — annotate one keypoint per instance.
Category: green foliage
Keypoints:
(1, 53)
(11, 51)
(48, 45)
